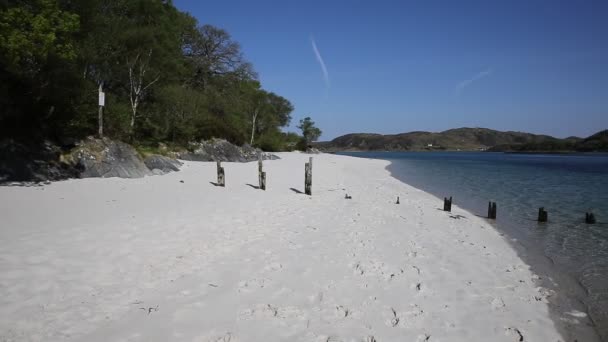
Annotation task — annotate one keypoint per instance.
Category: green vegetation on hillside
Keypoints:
(166, 78)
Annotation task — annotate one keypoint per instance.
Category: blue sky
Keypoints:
(399, 66)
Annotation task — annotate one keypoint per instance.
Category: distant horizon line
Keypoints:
(467, 127)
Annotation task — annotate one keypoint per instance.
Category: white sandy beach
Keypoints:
(154, 259)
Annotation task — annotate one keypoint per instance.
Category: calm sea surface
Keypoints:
(566, 185)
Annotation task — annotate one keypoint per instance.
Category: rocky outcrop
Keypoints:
(222, 150)
(94, 157)
(33, 162)
(108, 158)
(160, 164)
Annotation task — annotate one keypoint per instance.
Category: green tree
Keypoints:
(166, 77)
(310, 132)
(37, 51)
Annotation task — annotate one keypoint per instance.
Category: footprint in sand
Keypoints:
(497, 304)
(227, 337)
(247, 286)
(404, 318)
(342, 311)
(275, 266)
(515, 333)
(270, 311)
(325, 338)
(317, 298)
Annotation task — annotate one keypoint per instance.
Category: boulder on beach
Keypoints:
(108, 158)
(161, 163)
(222, 150)
(33, 162)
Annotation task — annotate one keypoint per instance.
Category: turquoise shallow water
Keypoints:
(566, 185)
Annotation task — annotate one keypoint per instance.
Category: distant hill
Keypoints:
(464, 139)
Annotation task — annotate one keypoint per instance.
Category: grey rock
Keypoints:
(108, 158)
(33, 162)
(162, 163)
(222, 150)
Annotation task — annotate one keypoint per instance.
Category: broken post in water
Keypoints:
(261, 174)
(221, 176)
(589, 218)
(492, 210)
(543, 216)
(308, 177)
(447, 204)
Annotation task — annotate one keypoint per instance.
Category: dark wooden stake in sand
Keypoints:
(447, 204)
(261, 174)
(308, 177)
(589, 218)
(263, 181)
(492, 210)
(221, 176)
(543, 215)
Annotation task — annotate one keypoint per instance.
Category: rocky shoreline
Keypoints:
(40, 163)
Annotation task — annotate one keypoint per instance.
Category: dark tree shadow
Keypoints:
(215, 184)
(253, 186)
(296, 190)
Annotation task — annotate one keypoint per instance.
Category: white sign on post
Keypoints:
(102, 98)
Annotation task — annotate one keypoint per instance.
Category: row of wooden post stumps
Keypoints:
(221, 175)
(543, 215)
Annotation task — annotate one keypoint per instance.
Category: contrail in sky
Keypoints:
(320, 60)
(460, 86)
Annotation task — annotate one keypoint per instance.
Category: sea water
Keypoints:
(566, 185)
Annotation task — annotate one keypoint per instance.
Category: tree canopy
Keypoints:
(166, 77)
(310, 132)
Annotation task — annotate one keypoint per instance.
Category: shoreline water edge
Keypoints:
(568, 293)
(175, 258)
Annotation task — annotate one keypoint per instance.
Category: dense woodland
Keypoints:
(166, 77)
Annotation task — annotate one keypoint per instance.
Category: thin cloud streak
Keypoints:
(320, 60)
(460, 86)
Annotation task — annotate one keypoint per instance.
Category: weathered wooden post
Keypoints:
(589, 218)
(221, 176)
(261, 174)
(543, 216)
(308, 177)
(263, 180)
(492, 210)
(447, 204)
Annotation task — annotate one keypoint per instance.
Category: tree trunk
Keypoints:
(255, 116)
